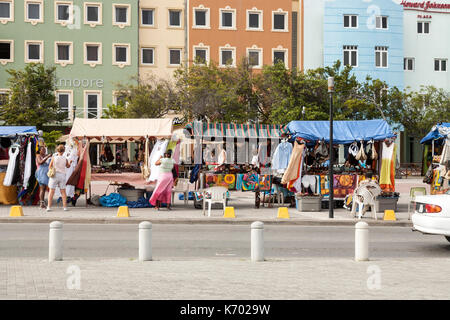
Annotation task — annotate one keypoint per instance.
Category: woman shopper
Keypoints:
(60, 164)
(163, 189)
(41, 173)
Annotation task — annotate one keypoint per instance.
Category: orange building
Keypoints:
(225, 32)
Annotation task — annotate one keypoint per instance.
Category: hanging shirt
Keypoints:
(28, 160)
(158, 150)
(13, 153)
(281, 156)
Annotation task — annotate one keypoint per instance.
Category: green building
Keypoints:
(92, 44)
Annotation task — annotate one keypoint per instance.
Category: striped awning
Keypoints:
(233, 130)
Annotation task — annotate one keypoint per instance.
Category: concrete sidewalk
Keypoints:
(243, 202)
(284, 279)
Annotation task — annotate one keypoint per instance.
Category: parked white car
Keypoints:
(432, 214)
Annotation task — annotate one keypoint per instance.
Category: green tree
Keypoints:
(32, 100)
(115, 111)
(51, 139)
(144, 98)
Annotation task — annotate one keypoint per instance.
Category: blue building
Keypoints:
(366, 35)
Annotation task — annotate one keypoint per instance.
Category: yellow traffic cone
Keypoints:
(16, 211)
(229, 212)
(123, 212)
(389, 215)
(283, 213)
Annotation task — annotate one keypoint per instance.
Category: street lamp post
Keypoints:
(74, 109)
(331, 154)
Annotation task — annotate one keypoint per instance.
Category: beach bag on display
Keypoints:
(144, 168)
(428, 176)
(352, 153)
(361, 155)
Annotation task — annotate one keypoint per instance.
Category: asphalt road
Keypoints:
(217, 241)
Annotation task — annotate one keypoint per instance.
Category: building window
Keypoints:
(201, 55)
(148, 56)
(351, 56)
(350, 21)
(63, 12)
(175, 57)
(121, 15)
(148, 17)
(423, 27)
(201, 17)
(381, 22)
(92, 103)
(227, 19)
(33, 12)
(254, 57)
(381, 57)
(4, 96)
(6, 11)
(227, 57)
(254, 20)
(34, 51)
(6, 51)
(92, 13)
(408, 64)
(440, 64)
(65, 102)
(121, 54)
(280, 21)
(93, 53)
(279, 56)
(175, 18)
(64, 53)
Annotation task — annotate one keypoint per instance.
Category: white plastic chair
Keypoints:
(181, 187)
(217, 195)
(363, 197)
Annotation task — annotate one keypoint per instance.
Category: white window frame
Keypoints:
(70, 93)
(121, 24)
(121, 64)
(381, 50)
(64, 63)
(41, 51)
(181, 56)
(227, 9)
(381, 22)
(261, 19)
(100, 13)
(207, 17)
(280, 49)
(11, 12)
(423, 27)
(405, 63)
(141, 18)
(227, 47)
(440, 64)
(201, 46)
(11, 51)
(64, 22)
(350, 21)
(254, 48)
(100, 55)
(350, 48)
(142, 56)
(99, 102)
(181, 18)
(286, 20)
(41, 11)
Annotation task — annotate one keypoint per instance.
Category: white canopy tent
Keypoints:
(117, 129)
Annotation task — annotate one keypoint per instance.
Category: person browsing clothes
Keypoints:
(60, 163)
(163, 189)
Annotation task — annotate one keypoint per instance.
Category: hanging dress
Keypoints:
(12, 165)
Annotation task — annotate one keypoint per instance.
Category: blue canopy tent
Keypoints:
(11, 131)
(344, 132)
(434, 133)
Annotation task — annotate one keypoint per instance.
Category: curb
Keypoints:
(133, 220)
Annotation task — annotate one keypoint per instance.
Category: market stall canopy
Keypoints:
(116, 129)
(344, 132)
(434, 134)
(232, 130)
(10, 131)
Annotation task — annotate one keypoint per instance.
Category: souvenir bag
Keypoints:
(352, 152)
(361, 155)
(51, 172)
(144, 168)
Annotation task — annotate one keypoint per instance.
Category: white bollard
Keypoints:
(145, 241)
(55, 243)
(361, 241)
(257, 241)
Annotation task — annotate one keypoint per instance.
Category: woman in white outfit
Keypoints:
(60, 163)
